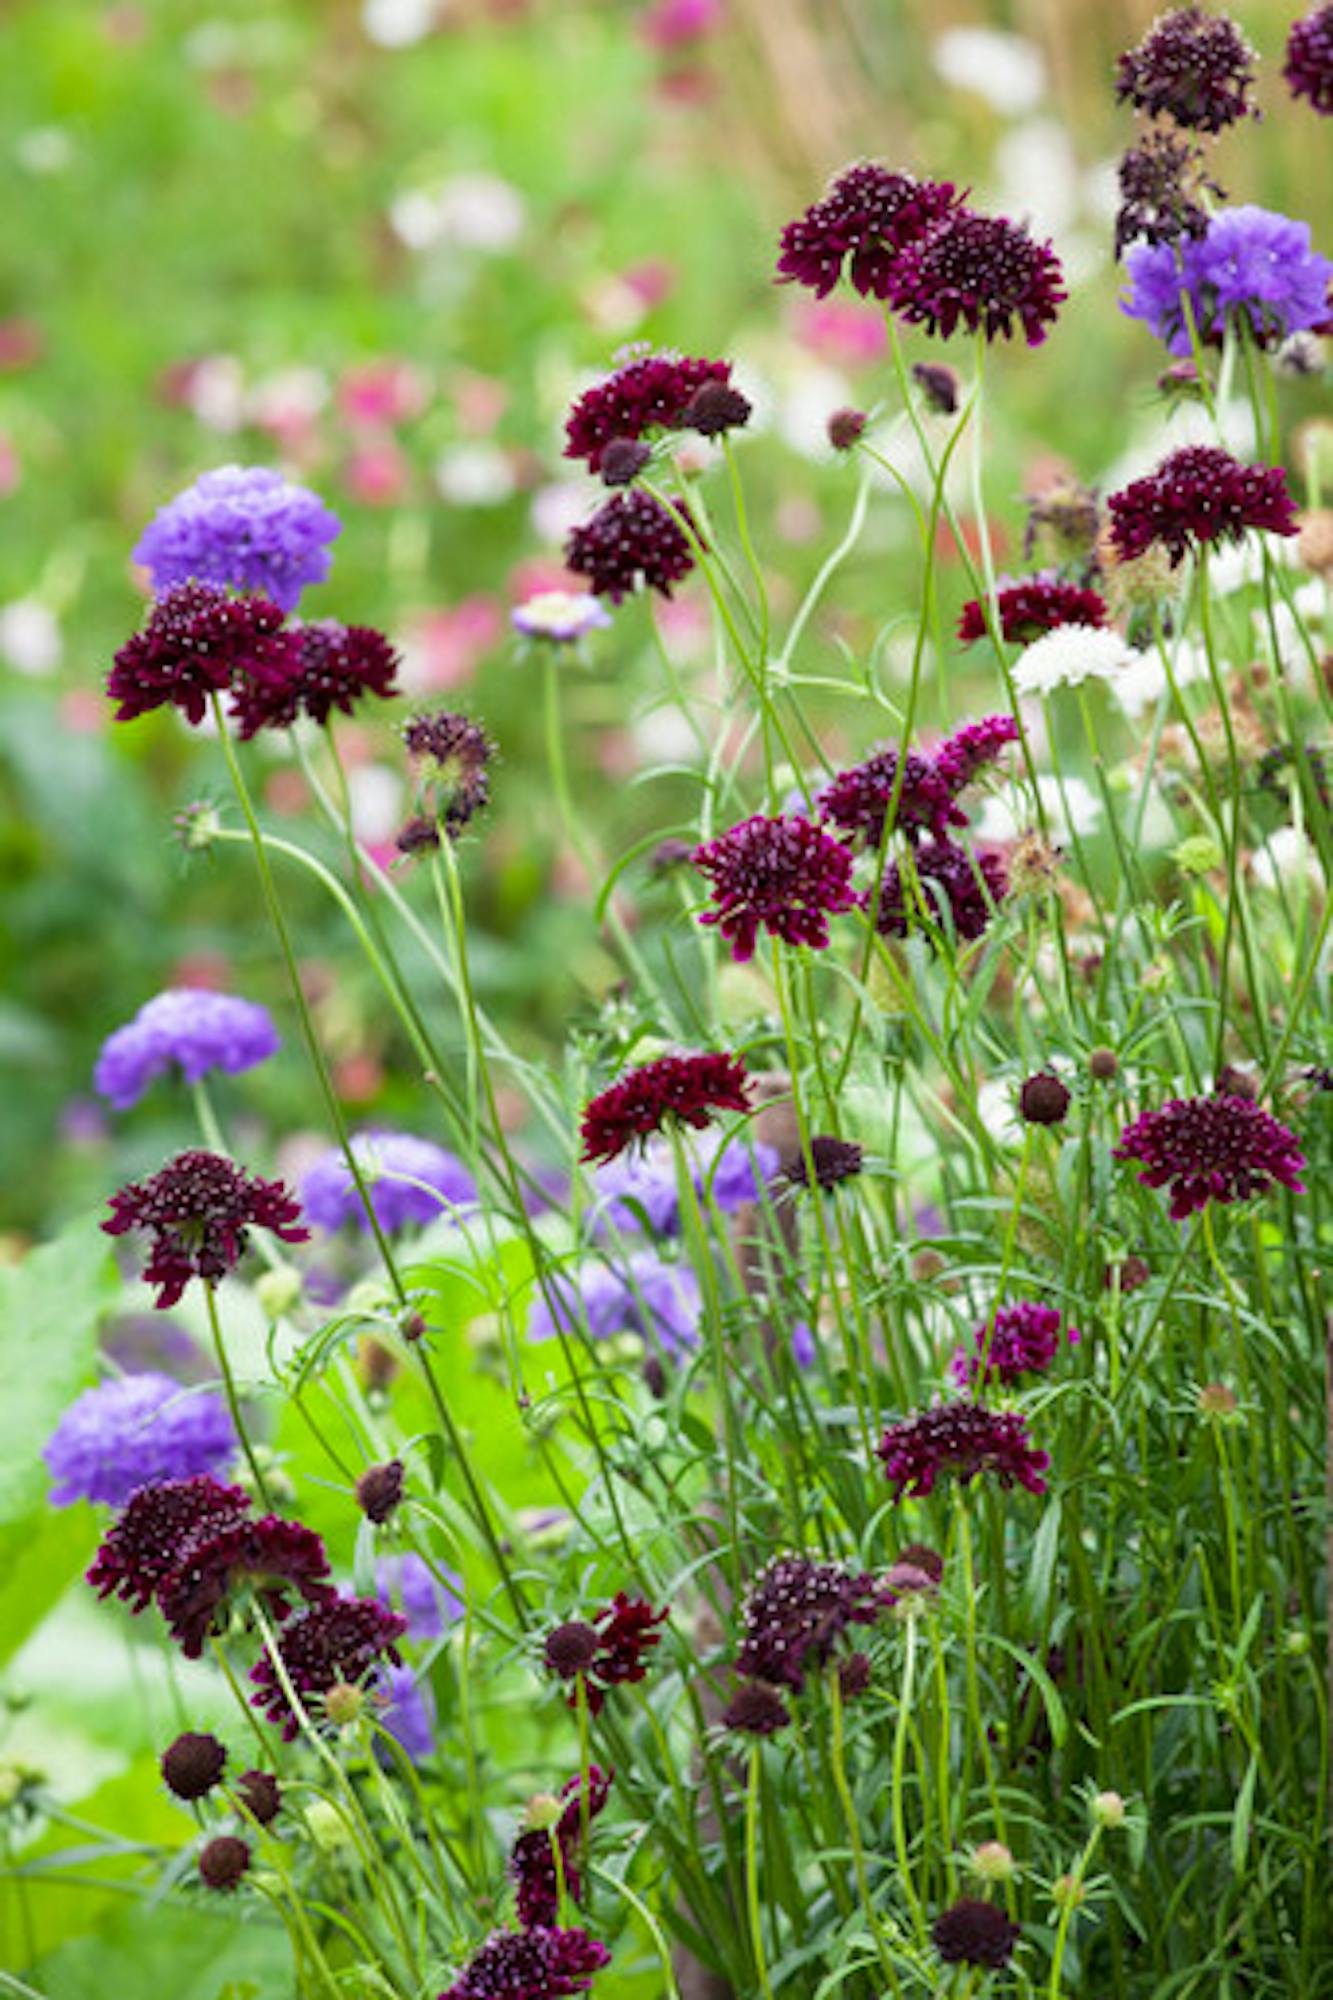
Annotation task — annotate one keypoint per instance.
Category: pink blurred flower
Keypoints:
(684, 623)
(211, 971)
(359, 1078)
(669, 24)
(537, 574)
(479, 402)
(376, 395)
(286, 792)
(443, 648)
(377, 473)
(85, 711)
(651, 282)
(840, 332)
(22, 345)
(10, 469)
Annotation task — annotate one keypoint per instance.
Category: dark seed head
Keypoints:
(192, 1765)
(379, 1490)
(1043, 1100)
(223, 1861)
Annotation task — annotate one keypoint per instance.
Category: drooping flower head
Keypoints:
(962, 889)
(245, 527)
(649, 393)
(784, 875)
(1248, 264)
(543, 1963)
(1198, 495)
(198, 1210)
(1308, 68)
(867, 217)
(191, 1027)
(559, 617)
(410, 1182)
(1221, 1148)
(795, 1613)
(608, 1650)
(270, 1557)
(971, 1932)
(644, 1295)
(144, 1545)
(532, 1861)
(454, 754)
(961, 1440)
(1161, 185)
(335, 666)
(858, 800)
(1022, 1340)
(340, 1643)
(632, 543)
(1192, 67)
(135, 1432)
(674, 1090)
(1033, 605)
(981, 272)
(199, 642)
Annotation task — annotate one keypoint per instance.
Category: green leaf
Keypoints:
(50, 1305)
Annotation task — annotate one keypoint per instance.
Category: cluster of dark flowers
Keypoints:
(606, 1651)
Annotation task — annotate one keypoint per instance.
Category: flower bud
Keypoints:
(327, 1827)
(344, 1704)
(1103, 1065)
(1108, 1809)
(278, 1291)
(991, 1862)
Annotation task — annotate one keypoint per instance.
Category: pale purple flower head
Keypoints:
(406, 1583)
(639, 1187)
(395, 1165)
(134, 1432)
(408, 1713)
(243, 526)
(1250, 261)
(559, 617)
(190, 1026)
(644, 1295)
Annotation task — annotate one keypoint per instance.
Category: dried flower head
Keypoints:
(198, 1210)
(223, 1860)
(199, 642)
(971, 1932)
(865, 220)
(651, 392)
(334, 666)
(542, 1963)
(1020, 1340)
(1221, 1148)
(784, 875)
(1308, 68)
(633, 543)
(1035, 604)
(795, 1613)
(242, 526)
(674, 1090)
(963, 1440)
(455, 754)
(1192, 67)
(1198, 495)
(261, 1795)
(981, 272)
(193, 1764)
(756, 1709)
(343, 1641)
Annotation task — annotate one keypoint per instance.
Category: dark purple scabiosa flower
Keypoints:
(190, 1027)
(1199, 495)
(222, 1861)
(1192, 67)
(963, 1440)
(193, 1764)
(1023, 1340)
(142, 1548)
(242, 526)
(795, 1613)
(652, 392)
(832, 1160)
(756, 1709)
(674, 1090)
(335, 666)
(858, 800)
(1249, 264)
(555, 1823)
(136, 1431)
(982, 272)
(379, 1491)
(971, 1932)
(198, 1210)
(867, 217)
(622, 460)
(454, 755)
(971, 748)
(960, 887)
(632, 543)
(1161, 180)
(261, 1795)
(1308, 68)
(1044, 1099)
(410, 1181)
(715, 408)
(1033, 605)
(338, 1644)
(939, 386)
(846, 428)
(199, 642)
(1204, 1149)
(606, 1652)
(539, 1964)
(783, 875)
(270, 1557)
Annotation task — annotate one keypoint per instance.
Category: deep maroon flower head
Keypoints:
(756, 1709)
(919, 1556)
(854, 1675)
(846, 428)
(418, 836)
(1199, 494)
(455, 753)
(1030, 607)
(982, 272)
(1206, 1149)
(961, 1439)
(532, 1859)
(858, 800)
(716, 407)
(335, 1644)
(199, 642)
(379, 1490)
(607, 1652)
(1309, 65)
(632, 543)
(1131, 1274)
(1161, 180)
(784, 875)
(539, 1964)
(869, 215)
(939, 384)
(261, 1795)
(1192, 67)
(144, 1545)
(198, 1209)
(270, 1556)
(571, 1648)
(683, 1090)
(223, 1860)
(334, 667)
(833, 1160)
(650, 393)
(623, 459)
(192, 1765)
(971, 748)
(971, 1932)
(795, 1613)
(1024, 1340)
(951, 879)
(1044, 1099)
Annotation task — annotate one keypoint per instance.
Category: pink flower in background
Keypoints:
(378, 473)
(22, 345)
(10, 469)
(847, 335)
(670, 24)
(478, 401)
(84, 711)
(376, 395)
(443, 648)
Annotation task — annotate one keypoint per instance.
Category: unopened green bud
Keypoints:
(991, 1862)
(327, 1827)
(278, 1290)
(1108, 1809)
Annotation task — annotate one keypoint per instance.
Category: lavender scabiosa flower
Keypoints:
(865, 220)
(196, 1029)
(784, 875)
(1223, 1148)
(532, 1859)
(135, 1432)
(543, 1963)
(1021, 1340)
(245, 527)
(340, 1643)
(408, 1712)
(335, 666)
(982, 272)
(963, 1440)
(410, 1182)
(957, 884)
(642, 1187)
(1161, 180)
(1248, 264)
(429, 1602)
(145, 1543)
(645, 1295)
(198, 1211)
(795, 1613)
(633, 543)
(971, 1932)
(1031, 606)
(1192, 67)
(857, 800)
(1308, 68)
(674, 1090)
(651, 392)
(198, 642)
(559, 617)
(1199, 495)
(606, 1651)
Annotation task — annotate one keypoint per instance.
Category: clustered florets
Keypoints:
(651, 392)
(963, 1440)
(971, 1932)
(1031, 606)
(1222, 1148)
(1198, 495)
(1161, 185)
(454, 754)
(336, 1643)
(198, 643)
(332, 666)
(674, 1090)
(796, 1612)
(1192, 67)
(633, 543)
(608, 1650)
(1020, 1340)
(195, 1029)
(1309, 65)
(198, 1210)
(1248, 265)
(783, 875)
(532, 1859)
(543, 1963)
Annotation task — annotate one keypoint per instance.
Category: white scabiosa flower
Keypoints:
(1069, 655)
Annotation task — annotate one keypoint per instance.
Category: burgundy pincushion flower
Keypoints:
(982, 272)
(951, 879)
(632, 543)
(199, 642)
(971, 748)
(270, 1556)
(1206, 1149)
(1044, 1099)
(456, 753)
(784, 875)
(832, 1159)
(1034, 605)
(651, 392)
(795, 1613)
(260, 1794)
(1309, 65)
(223, 1860)
(964, 1440)
(198, 1209)
(869, 215)
(379, 1490)
(532, 1863)
(571, 1648)
(1199, 494)
(971, 1932)
(684, 1090)
(1024, 1340)
(607, 1652)
(144, 1545)
(1192, 67)
(339, 1643)
(334, 667)
(539, 1964)
(756, 1709)
(715, 408)
(858, 799)
(1161, 180)
(193, 1764)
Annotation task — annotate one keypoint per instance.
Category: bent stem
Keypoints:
(233, 1400)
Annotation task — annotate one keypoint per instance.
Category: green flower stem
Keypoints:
(897, 1787)
(233, 1400)
(1067, 1908)
(752, 1903)
(837, 1764)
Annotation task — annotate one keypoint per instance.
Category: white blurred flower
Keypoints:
(291, 395)
(216, 393)
(47, 149)
(397, 24)
(1070, 806)
(1004, 69)
(1186, 423)
(1285, 859)
(1036, 175)
(375, 794)
(1234, 565)
(471, 211)
(804, 404)
(29, 637)
(474, 475)
(1142, 682)
(664, 736)
(1068, 656)
(557, 508)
